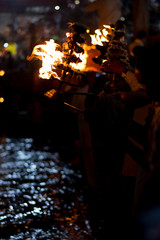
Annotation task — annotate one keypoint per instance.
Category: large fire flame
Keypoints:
(51, 56)
(101, 35)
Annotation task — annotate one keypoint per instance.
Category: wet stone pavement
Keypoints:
(41, 197)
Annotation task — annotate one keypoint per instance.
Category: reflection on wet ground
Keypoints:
(41, 197)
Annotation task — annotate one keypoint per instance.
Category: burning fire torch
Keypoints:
(111, 45)
(60, 61)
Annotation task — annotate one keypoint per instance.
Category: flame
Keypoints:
(50, 56)
(101, 35)
(81, 66)
(83, 57)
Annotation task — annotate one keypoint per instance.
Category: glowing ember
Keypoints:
(50, 93)
(101, 35)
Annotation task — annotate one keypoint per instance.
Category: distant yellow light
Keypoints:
(12, 48)
(1, 99)
(2, 72)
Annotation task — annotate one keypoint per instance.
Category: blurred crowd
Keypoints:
(17, 42)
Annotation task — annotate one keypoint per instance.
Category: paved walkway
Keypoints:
(40, 196)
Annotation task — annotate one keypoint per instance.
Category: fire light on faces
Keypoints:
(50, 56)
(101, 35)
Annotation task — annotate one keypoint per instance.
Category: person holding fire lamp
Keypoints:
(109, 116)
